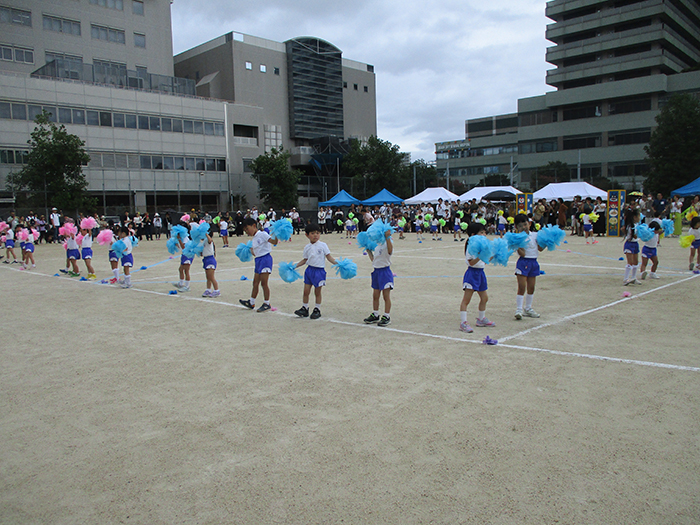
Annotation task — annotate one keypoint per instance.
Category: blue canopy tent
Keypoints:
(342, 198)
(382, 197)
(689, 190)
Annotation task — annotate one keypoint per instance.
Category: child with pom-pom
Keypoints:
(526, 269)
(86, 251)
(209, 264)
(418, 224)
(474, 280)
(261, 249)
(10, 245)
(127, 259)
(435, 228)
(631, 247)
(223, 232)
(649, 251)
(502, 223)
(315, 255)
(183, 284)
(348, 229)
(382, 280)
(72, 251)
(29, 249)
(695, 244)
(588, 228)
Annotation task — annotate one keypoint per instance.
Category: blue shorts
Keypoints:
(209, 262)
(9, 243)
(86, 253)
(128, 260)
(527, 267)
(696, 244)
(22, 244)
(72, 254)
(419, 229)
(29, 247)
(223, 233)
(587, 227)
(475, 279)
(113, 256)
(382, 278)
(647, 252)
(185, 260)
(433, 229)
(501, 227)
(315, 276)
(631, 247)
(457, 226)
(263, 264)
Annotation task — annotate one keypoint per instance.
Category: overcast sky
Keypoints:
(436, 63)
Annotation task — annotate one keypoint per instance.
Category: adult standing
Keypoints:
(561, 213)
(157, 225)
(55, 224)
(660, 206)
(599, 208)
(676, 208)
(322, 219)
(294, 215)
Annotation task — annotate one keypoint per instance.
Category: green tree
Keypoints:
(673, 151)
(426, 176)
(53, 173)
(376, 165)
(551, 172)
(278, 183)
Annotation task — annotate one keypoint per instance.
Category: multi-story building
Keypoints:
(105, 70)
(617, 63)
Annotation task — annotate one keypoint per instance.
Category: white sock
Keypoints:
(187, 284)
(266, 302)
(463, 316)
(181, 283)
(115, 272)
(306, 305)
(628, 271)
(252, 301)
(482, 315)
(317, 305)
(519, 301)
(127, 279)
(528, 301)
(634, 272)
(386, 314)
(376, 312)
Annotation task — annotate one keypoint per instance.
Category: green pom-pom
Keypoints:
(340, 222)
(356, 220)
(464, 225)
(483, 221)
(426, 224)
(428, 216)
(351, 215)
(460, 214)
(442, 222)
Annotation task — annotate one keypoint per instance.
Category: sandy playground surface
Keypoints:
(136, 406)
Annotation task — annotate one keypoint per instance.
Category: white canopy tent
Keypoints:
(479, 191)
(432, 195)
(569, 190)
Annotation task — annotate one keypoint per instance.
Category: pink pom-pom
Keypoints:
(105, 237)
(23, 234)
(185, 217)
(79, 239)
(626, 294)
(88, 223)
(568, 251)
(68, 229)
(65, 246)
(36, 234)
(3, 226)
(3, 238)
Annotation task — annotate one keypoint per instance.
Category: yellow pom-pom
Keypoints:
(500, 212)
(594, 217)
(581, 216)
(511, 220)
(522, 211)
(537, 226)
(691, 214)
(686, 240)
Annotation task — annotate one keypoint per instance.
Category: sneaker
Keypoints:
(464, 327)
(206, 293)
(373, 318)
(529, 312)
(15, 261)
(264, 308)
(246, 303)
(316, 313)
(92, 276)
(8, 262)
(178, 285)
(653, 276)
(595, 242)
(124, 285)
(73, 274)
(644, 275)
(690, 266)
(121, 281)
(627, 282)
(637, 281)
(185, 289)
(302, 312)
(62, 270)
(216, 293)
(518, 314)
(484, 322)
(384, 321)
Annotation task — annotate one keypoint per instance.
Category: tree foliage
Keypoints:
(551, 172)
(376, 165)
(53, 173)
(673, 151)
(278, 183)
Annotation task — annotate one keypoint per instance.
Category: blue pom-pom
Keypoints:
(172, 292)
(198, 232)
(377, 231)
(566, 242)
(479, 246)
(541, 272)
(282, 230)
(668, 227)
(621, 259)
(345, 268)
(173, 245)
(56, 275)
(501, 253)
(179, 232)
(244, 278)
(83, 279)
(550, 237)
(365, 242)
(644, 233)
(193, 248)
(134, 241)
(243, 251)
(118, 248)
(288, 272)
(144, 267)
(517, 240)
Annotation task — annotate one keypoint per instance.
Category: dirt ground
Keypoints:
(137, 406)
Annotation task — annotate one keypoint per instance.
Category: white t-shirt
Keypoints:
(10, 235)
(480, 264)
(223, 225)
(127, 243)
(208, 249)
(653, 242)
(260, 245)
(691, 231)
(382, 258)
(586, 219)
(86, 242)
(315, 254)
(71, 243)
(349, 223)
(532, 251)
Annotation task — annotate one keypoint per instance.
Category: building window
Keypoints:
(9, 15)
(109, 4)
(277, 71)
(139, 40)
(249, 66)
(581, 142)
(355, 86)
(108, 34)
(273, 137)
(366, 89)
(61, 25)
(137, 7)
(630, 137)
(263, 68)
(16, 54)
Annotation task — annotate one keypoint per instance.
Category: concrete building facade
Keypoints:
(617, 63)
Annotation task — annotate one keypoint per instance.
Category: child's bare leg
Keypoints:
(211, 280)
(654, 264)
(256, 286)
(466, 298)
(375, 300)
(317, 294)
(306, 294)
(483, 299)
(266, 289)
(386, 293)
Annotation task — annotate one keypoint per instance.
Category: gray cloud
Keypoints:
(437, 64)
